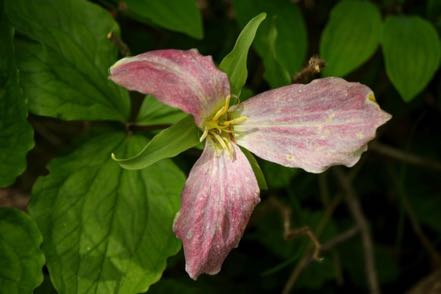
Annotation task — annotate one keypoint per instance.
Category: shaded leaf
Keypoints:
(106, 230)
(291, 42)
(351, 253)
(15, 132)
(278, 176)
(412, 52)
(153, 112)
(350, 37)
(276, 74)
(261, 181)
(235, 63)
(20, 254)
(168, 143)
(64, 72)
(176, 15)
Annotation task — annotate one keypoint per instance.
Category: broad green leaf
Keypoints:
(275, 73)
(290, 46)
(412, 52)
(278, 176)
(153, 112)
(15, 132)
(176, 15)
(350, 37)
(106, 229)
(168, 143)
(235, 63)
(261, 181)
(20, 255)
(64, 71)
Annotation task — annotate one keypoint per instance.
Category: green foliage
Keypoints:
(168, 143)
(64, 69)
(261, 181)
(350, 37)
(176, 15)
(235, 63)
(106, 229)
(412, 52)
(288, 49)
(276, 74)
(20, 254)
(153, 112)
(14, 129)
(278, 176)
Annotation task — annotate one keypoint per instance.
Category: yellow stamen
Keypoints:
(223, 109)
(236, 120)
(219, 128)
(220, 140)
(204, 135)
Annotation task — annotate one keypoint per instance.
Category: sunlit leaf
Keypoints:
(412, 52)
(176, 15)
(168, 143)
(235, 63)
(106, 229)
(20, 255)
(350, 37)
(64, 72)
(15, 132)
(291, 42)
(153, 112)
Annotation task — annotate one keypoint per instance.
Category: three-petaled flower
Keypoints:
(313, 126)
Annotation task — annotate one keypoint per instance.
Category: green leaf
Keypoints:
(153, 112)
(20, 254)
(106, 229)
(256, 169)
(15, 132)
(176, 15)
(235, 63)
(64, 71)
(278, 176)
(412, 53)
(275, 73)
(168, 143)
(350, 37)
(290, 44)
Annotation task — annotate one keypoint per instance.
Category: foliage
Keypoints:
(93, 227)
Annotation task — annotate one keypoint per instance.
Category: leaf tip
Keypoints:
(113, 156)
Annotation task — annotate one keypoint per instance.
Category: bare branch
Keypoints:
(357, 213)
(405, 156)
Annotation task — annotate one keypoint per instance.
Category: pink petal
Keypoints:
(314, 126)
(182, 79)
(218, 199)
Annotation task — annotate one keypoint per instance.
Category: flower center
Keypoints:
(219, 128)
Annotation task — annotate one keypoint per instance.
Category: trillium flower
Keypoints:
(310, 126)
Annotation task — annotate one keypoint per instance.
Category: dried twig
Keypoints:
(289, 232)
(410, 213)
(405, 156)
(342, 237)
(357, 213)
(307, 259)
(315, 65)
(13, 198)
(122, 47)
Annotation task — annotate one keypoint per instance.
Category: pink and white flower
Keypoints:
(313, 126)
